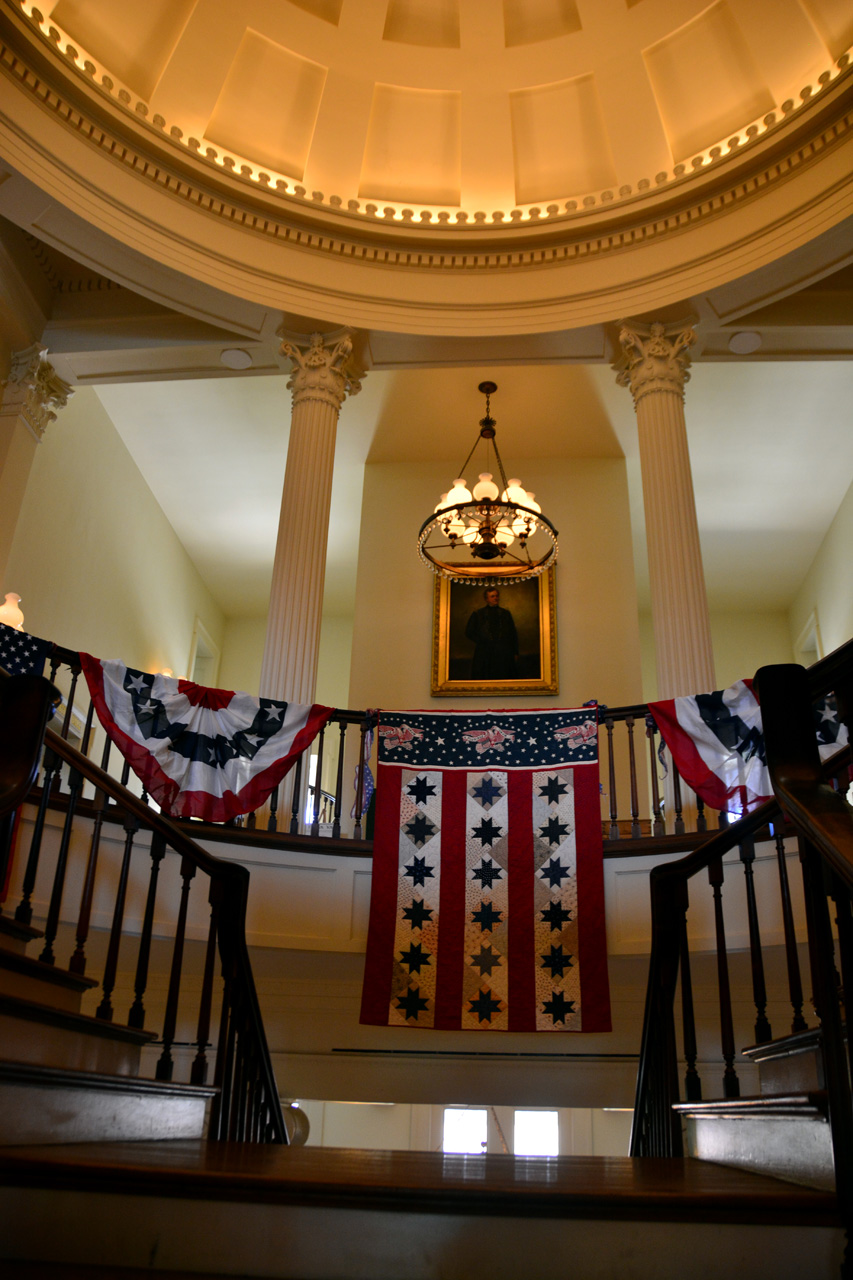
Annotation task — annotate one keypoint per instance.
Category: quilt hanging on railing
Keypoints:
(199, 752)
(487, 904)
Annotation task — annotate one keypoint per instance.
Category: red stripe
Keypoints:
(451, 902)
(592, 936)
(522, 989)
(376, 992)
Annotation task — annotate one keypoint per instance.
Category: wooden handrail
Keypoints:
(229, 886)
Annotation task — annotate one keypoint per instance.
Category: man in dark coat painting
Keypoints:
(492, 632)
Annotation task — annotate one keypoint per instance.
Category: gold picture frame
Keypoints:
(468, 653)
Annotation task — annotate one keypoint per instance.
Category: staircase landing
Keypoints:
(212, 1209)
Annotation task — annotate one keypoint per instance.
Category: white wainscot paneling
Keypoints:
(305, 901)
(628, 902)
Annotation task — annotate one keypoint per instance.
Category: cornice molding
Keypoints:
(267, 245)
(115, 122)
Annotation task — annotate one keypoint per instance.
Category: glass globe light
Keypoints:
(486, 488)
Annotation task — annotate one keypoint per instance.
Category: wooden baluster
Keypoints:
(658, 828)
(318, 784)
(297, 791)
(51, 764)
(692, 1079)
(136, 1016)
(763, 1032)
(218, 1107)
(170, 1021)
(69, 706)
(359, 785)
(844, 922)
(611, 782)
(828, 1009)
(75, 786)
(339, 783)
(635, 800)
(731, 1084)
(105, 1008)
(701, 820)
(251, 821)
(125, 773)
(224, 1074)
(198, 1071)
(77, 963)
(272, 820)
(795, 985)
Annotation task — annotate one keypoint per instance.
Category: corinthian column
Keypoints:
(33, 394)
(321, 379)
(654, 364)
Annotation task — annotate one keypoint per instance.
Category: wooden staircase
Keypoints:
(66, 1076)
(785, 1130)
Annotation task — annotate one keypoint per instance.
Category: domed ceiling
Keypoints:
(487, 107)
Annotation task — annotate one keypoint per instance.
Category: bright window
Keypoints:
(537, 1133)
(465, 1130)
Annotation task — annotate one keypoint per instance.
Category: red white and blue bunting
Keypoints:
(199, 752)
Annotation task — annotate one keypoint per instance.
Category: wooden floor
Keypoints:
(564, 1187)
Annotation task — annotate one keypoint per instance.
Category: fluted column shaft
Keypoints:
(320, 381)
(655, 367)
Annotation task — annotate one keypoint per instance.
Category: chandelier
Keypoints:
(489, 533)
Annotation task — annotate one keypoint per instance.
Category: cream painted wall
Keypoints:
(598, 636)
(743, 642)
(242, 651)
(94, 559)
(243, 648)
(827, 588)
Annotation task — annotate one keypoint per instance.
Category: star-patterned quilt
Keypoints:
(487, 904)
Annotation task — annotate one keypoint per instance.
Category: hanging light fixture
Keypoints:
(488, 533)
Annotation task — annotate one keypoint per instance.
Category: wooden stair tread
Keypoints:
(784, 1046)
(12, 928)
(418, 1181)
(31, 968)
(32, 1011)
(62, 1077)
(765, 1104)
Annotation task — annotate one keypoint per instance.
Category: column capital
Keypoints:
(34, 391)
(655, 357)
(321, 372)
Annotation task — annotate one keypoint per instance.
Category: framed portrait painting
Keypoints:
(495, 641)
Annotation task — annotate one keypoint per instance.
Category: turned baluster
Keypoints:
(198, 1071)
(51, 765)
(613, 833)
(272, 820)
(170, 1021)
(297, 791)
(318, 784)
(731, 1084)
(658, 828)
(795, 985)
(136, 1016)
(692, 1080)
(844, 922)
(105, 1008)
(701, 820)
(220, 1110)
(77, 964)
(763, 1032)
(635, 799)
(339, 783)
(75, 786)
(359, 784)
